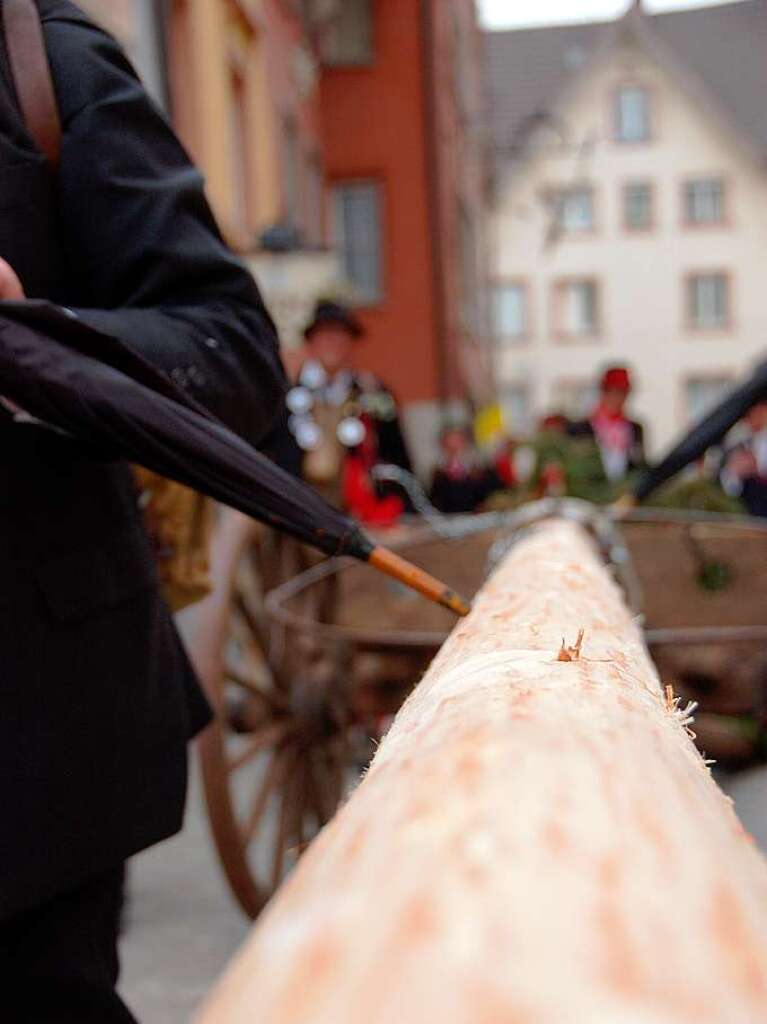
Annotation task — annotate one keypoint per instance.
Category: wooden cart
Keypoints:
(306, 663)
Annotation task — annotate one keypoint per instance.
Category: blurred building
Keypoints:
(244, 96)
(239, 79)
(137, 24)
(342, 149)
(401, 99)
(630, 220)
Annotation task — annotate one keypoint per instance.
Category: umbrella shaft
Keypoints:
(411, 576)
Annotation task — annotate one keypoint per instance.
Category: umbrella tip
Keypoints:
(452, 600)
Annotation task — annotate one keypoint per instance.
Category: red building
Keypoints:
(400, 100)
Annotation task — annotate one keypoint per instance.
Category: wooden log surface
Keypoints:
(536, 842)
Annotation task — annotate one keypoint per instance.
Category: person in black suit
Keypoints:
(460, 482)
(98, 698)
(744, 473)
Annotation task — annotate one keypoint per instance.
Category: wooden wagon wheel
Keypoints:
(274, 760)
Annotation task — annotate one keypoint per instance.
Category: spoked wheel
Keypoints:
(274, 762)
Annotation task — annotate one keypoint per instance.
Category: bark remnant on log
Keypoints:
(536, 842)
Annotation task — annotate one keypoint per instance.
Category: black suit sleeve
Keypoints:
(145, 260)
(391, 444)
(638, 458)
(579, 428)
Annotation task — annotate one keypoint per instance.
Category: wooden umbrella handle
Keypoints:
(411, 576)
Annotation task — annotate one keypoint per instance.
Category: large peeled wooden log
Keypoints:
(537, 841)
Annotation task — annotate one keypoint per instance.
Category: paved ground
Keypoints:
(749, 791)
(183, 926)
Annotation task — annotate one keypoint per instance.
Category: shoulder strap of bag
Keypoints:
(32, 75)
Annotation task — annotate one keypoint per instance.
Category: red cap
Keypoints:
(617, 378)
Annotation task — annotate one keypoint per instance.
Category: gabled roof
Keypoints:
(722, 48)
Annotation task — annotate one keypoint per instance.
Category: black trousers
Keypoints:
(58, 962)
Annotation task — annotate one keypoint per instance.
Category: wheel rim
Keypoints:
(274, 762)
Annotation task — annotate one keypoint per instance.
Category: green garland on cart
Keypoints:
(584, 477)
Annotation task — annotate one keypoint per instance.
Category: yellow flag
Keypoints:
(488, 424)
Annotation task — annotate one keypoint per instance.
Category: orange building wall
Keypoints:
(285, 32)
(237, 71)
(373, 127)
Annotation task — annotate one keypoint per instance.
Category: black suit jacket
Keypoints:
(636, 453)
(97, 698)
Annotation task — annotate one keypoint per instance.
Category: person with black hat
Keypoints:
(344, 421)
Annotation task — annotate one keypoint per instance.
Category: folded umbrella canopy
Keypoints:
(709, 431)
(90, 384)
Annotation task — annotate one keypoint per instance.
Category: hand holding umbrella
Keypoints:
(77, 379)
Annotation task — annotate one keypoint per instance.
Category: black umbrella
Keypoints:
(709, 431)
(90, 384)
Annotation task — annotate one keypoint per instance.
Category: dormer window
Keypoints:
(632, 114)
(346, 39)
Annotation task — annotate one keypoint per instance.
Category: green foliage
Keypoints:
(581, 462)
(715, 576)
(584, 475)
(699, 494)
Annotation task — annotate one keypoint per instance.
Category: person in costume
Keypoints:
(344, 421)
(460, 482)
(620, 440)
(702, 435)
(744, 473)
(504, 464)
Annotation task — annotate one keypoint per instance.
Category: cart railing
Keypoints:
(508, 528)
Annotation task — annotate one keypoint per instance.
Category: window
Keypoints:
(574, 209)
(314, 196)
(704, 201)
(703, 393)
(575, 57)
(469, 266)
(357, 224)
(239, 145)
(517, 412)
(183, 99)
(463, 66)
(347, 39)
(637, 206)
(509, 312)
(576, 308)
(708, 300)
(632, 114)
(291, 173)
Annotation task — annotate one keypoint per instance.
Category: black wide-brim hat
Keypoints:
(334, 313)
